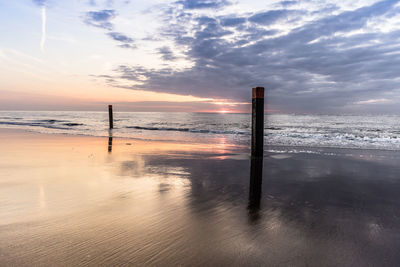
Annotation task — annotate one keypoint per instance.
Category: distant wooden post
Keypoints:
(110, 116)
(257, 131)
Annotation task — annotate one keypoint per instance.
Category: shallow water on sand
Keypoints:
(73, 201)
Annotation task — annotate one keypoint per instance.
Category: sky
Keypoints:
(312, 57)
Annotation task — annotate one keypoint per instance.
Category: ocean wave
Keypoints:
(10, 118)
(48, 124)
(51, 121)
(73, 124)
(205, 131)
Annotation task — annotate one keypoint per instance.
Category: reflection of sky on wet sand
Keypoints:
(68, 200)
(327, 209)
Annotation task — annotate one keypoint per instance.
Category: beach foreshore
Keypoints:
(87, 201)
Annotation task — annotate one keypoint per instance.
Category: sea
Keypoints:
(289, 130)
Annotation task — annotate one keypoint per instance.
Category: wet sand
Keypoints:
(69, 201)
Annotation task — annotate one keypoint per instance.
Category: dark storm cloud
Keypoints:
(101, 19)
(201, 4)
(312, 68)
(125, 41)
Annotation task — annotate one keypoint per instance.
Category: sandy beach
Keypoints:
(70, 201)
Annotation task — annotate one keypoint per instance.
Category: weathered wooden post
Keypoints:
(257, 131)
(110, 116)
(257, 148)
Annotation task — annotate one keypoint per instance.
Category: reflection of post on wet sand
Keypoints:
(110, 139)
(255, 183)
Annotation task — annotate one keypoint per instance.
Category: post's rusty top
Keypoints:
(258, 92)
(109, 106)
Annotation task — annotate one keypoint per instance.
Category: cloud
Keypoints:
(372, 101)
(232, 21)
(101, 19)
(201, 4)
(287, 3)
(166, 53)
(40, 2)
(329, 60)
(110, 3)
(120, 37)
(272, 16)
(126, 41)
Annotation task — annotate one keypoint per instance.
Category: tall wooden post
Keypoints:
(110, 116)
(257, 131)
(257, 148)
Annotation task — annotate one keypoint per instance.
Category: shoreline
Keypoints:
(351, 132)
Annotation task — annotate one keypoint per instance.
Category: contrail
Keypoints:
(43, 28)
